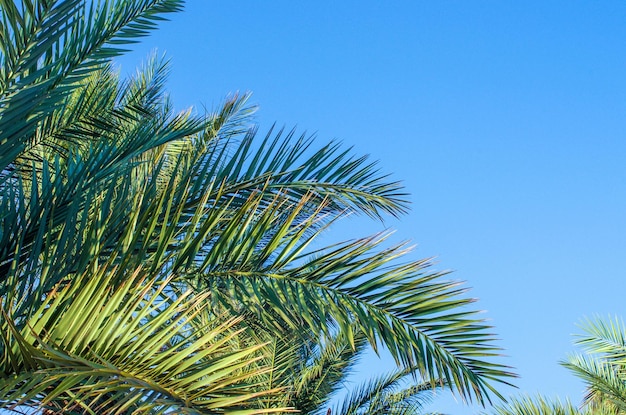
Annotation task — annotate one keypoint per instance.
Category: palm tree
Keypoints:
(139, 247)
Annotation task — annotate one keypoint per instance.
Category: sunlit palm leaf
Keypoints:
(94, 344)
(527, 405)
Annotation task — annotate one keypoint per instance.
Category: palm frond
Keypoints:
(405, 307)
(527, 405)
(602, 367)
(604, 380)
(48, 49)
(289, 166)
(323, 373)
(101, 346)
(392, 394)
(604, 336)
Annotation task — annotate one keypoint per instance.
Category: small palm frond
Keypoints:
(602, 367)
(392, 394)
(323, 372)
(527, 405)
(604, 336)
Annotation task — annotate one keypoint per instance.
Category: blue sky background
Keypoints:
(505, 120)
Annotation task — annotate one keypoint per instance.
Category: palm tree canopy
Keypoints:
(137, 243)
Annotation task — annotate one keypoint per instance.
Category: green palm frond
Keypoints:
(604, 336)
(602, 367)
(410, 310)
(48, 47)
(293, 168)
(101, 109)
(310, 369)
(605, 382)
(527, 405)
(105, 346)
(51, 193)
(323, 371)
(391, 394)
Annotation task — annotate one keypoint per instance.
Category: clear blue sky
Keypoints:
(505, 120)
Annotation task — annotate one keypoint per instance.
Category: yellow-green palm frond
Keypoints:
(95, 345)
(527, 405)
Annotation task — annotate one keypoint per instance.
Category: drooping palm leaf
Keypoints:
(410, 310)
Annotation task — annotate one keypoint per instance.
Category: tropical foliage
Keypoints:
(310, 373)
(528, 405)
(161, 262)
(601, 366)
